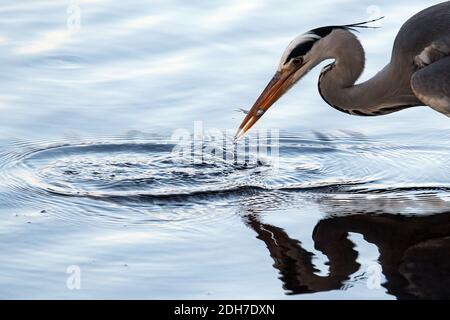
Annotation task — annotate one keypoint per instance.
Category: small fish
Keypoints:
(259, 113)
(242, 110)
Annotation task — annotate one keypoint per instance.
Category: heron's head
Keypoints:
(297, 60)
(303, 54)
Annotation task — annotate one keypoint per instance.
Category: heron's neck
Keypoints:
(379, 95)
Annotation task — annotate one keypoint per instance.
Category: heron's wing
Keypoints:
(432, 85)
(436, 51)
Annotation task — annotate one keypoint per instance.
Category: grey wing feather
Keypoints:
(418, 32)
(432, 85)
(436, 51)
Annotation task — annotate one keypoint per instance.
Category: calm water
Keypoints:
(88, 177)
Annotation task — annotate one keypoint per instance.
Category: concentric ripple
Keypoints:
(138, 181)
(127, 170)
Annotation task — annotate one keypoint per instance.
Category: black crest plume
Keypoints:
(363, 25)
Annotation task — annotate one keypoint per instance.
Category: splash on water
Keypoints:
(110, 176)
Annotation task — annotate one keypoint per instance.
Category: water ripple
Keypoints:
(138, 181)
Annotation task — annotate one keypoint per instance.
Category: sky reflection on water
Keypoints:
(142, 68)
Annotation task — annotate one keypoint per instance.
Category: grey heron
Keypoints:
(417, 75)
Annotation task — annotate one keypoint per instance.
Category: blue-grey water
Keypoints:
(357, 208)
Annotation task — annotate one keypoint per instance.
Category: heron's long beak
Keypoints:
(278, 86)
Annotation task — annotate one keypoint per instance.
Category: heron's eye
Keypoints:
(297, 61)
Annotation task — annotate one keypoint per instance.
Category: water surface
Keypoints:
(88, 177)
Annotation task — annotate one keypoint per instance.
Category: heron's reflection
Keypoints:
(414, 253)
